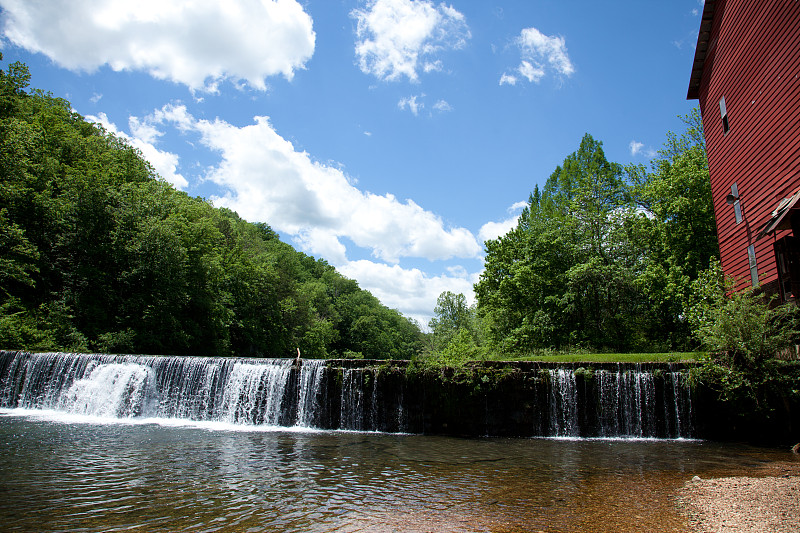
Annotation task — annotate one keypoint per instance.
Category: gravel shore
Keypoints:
(768, 503)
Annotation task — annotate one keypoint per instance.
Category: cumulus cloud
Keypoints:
(143, 138)
(267, 179)
(325, 243)
(397, 38)
(195, 43)
(540, 54)
(493, 230)
(410, 291)
(319, 208)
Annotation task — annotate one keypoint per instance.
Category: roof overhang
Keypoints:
(780, 219)
(700, 51)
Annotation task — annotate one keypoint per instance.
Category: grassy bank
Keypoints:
(670, 357)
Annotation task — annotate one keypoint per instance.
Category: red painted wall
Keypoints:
(753, 61)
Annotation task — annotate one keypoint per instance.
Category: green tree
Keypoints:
(520, 290)
(565, 276)
(603, 258)
(452, 315)
(677, 228)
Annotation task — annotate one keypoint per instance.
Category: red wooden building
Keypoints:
(746, 74)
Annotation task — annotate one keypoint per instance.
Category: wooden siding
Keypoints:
(753, 60)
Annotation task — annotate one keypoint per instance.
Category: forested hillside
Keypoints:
(99, 254)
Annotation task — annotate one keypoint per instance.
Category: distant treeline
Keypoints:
(97, 254)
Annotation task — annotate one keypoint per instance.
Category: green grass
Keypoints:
(671, 357)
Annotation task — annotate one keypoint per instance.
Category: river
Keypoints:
(61, 472)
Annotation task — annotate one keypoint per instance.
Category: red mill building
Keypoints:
(746, 74)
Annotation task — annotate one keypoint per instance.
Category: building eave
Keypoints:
(700, 51)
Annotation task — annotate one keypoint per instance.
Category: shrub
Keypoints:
(741, 327)
(744, 333)
(747, 331)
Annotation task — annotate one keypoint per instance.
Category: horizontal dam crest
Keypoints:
(491, 398)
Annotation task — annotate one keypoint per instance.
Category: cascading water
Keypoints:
(680, 404)
(194, 388)
(111, 390)
(563, 403)
(353, 400)
(625, 402)
(254, 393)
(311, 372)
(621, 400)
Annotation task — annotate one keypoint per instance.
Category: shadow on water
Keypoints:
(57, 476)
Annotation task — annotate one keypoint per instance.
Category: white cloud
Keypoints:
(144, 131)
(415, 104)
(493, 230)
(143, 138)
(442, 106)
(635, 147)
(410, 291)
(531, 72)
(411, 104)
(196, 43)
(266, 179)
(696, 11)
(318, 207)
(435, 66)
(508, 79)
(396, 38)
(458, 271)
(325, 244)
(540, 54)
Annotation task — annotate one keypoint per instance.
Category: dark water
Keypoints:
(67, 475)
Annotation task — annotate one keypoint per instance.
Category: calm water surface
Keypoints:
(58, 475)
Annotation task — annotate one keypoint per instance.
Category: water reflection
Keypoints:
(95, 477)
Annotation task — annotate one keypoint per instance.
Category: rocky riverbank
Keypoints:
(767, 502)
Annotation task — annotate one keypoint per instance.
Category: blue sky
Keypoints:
(388, 137)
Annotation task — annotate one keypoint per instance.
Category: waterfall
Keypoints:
(110, 390)
(189, 387)
(195, 388)
(681, 403)
(623, 402)
(311, 371)
(613, 400)
(254, 393)
(563, 403)
(351, 414)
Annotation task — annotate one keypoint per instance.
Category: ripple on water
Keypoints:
(98, 477)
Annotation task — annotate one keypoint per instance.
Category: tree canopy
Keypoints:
(603, 256)
(97, 253)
